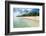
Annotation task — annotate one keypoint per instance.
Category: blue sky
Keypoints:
(21, 9)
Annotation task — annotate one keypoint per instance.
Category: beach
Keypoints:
(21, 22)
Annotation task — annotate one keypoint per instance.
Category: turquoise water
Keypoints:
(20, 22)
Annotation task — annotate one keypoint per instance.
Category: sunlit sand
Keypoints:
(32, 17)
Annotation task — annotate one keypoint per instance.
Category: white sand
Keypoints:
(32, 17)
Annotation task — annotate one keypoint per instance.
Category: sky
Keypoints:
(20, 11)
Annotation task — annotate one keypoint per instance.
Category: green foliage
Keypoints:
(30, 14)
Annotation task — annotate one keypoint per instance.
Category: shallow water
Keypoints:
(20, 22)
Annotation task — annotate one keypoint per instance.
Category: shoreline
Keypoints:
(31, 17)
